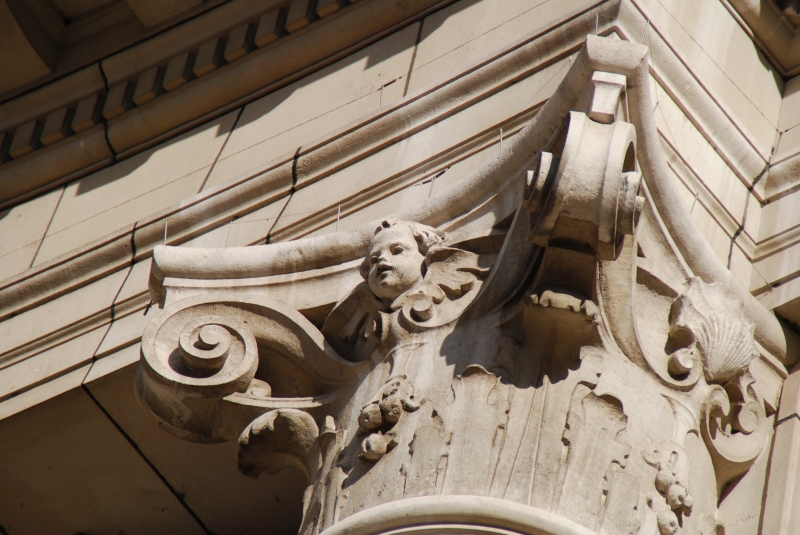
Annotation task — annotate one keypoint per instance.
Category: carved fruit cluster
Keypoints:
(381, 414)
(670, 460)
(678, 499)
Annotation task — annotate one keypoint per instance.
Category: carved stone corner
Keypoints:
(715, 342)
(447, 378)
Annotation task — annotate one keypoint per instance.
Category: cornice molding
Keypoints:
(338, 247)
(99, 124)
(770, 32)
(261, 186)
(167, 85)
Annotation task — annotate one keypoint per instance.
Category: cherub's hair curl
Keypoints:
(425, 236)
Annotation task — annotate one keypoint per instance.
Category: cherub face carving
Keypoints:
(395, 262)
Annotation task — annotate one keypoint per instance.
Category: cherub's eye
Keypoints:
(373, 259)
(397, 249)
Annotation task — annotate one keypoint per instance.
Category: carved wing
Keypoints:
(452, 280)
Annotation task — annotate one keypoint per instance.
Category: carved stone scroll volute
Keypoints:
(593, 200)
(711, 333)
(528, 378)
(205, 376)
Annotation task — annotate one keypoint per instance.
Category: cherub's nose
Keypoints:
(383, 263)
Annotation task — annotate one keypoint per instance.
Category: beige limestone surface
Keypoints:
(284, 120)
(92, 479)
(250, 229)
(23, 228)
(451, 40)
(731, 67)
(223, 500)
(140, 185)
(457, 130)
(779, 217)
(411, 196)
(93, 299)
(584, 359)
(698, 155)
(51, 363)
(457, 36)
(790, 105)
(67, 469)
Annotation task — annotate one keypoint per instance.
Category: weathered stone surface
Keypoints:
(562, 358)
(148, 181)
(564, 344)
(23, 228)
(286, 119)
(223, 499)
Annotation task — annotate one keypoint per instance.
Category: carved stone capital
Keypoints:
(556, 370)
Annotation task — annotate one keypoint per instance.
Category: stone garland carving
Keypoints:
(536, 382)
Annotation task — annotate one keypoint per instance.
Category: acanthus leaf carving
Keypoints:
(277, 439)
(451, 371)
(735, 428)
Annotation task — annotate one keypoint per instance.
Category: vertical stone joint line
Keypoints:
(100, 104)
(744, 215)
(294, 167)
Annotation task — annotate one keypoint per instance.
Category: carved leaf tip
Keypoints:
(277, 439)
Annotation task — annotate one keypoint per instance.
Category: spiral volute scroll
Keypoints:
(194, 354)
(200, 356)
(735, 427)
(204, 355)
(205, 345)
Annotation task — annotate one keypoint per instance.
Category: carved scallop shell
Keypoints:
(718, 328)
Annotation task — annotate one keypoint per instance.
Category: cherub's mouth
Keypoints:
(384, 269)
